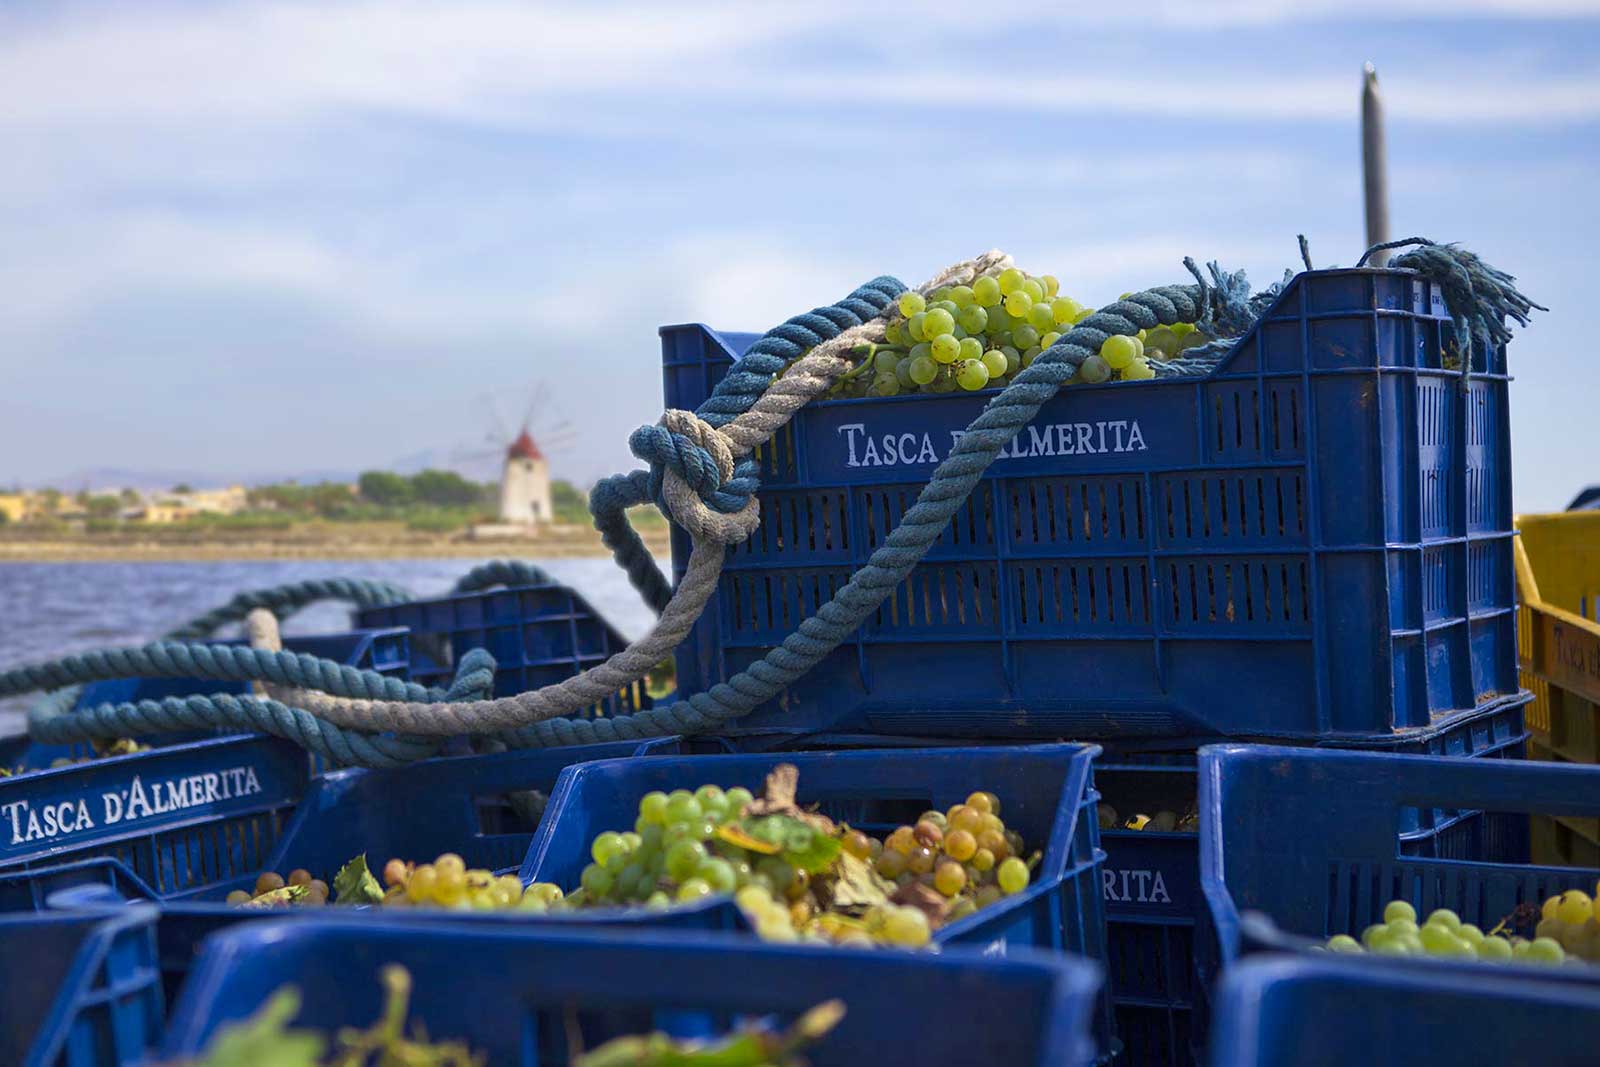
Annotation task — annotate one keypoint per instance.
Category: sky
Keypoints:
(278, 238)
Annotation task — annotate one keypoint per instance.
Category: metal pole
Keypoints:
(1374, 165)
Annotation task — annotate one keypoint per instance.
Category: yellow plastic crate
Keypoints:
(1558, 630)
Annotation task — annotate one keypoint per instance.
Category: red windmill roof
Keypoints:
(524, 448)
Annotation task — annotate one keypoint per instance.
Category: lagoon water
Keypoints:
(47, 609)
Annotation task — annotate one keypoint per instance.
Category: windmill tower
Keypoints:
(525, 483)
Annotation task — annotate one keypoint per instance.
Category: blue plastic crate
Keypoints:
(1326, 515)
(538, 634)
(1334, 1013)
(1046, 793)
(81, 989)
(415, 813)
(1152, 879)
(514, 994)
(1330, 857)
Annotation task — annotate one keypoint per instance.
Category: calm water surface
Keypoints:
(48, 609)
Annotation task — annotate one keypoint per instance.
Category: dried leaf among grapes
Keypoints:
(783, 786)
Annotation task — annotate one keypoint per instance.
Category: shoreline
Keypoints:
(563, 543)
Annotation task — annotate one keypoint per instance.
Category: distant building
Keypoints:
(16, 507)
(229, 501)
(525, 484)
(165, 512)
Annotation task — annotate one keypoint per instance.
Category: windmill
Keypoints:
(520, 456)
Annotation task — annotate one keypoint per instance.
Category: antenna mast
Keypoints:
(1374, 165)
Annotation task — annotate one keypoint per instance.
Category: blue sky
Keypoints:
(277, 237)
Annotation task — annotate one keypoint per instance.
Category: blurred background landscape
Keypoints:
(289, 279)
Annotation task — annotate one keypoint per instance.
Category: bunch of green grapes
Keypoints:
(1572, 920)
(673, 854)
(974, 337)
(273, 889)
(448, 882)
(685, 847)
(1444, 936)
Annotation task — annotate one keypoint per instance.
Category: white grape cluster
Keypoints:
(970, 337)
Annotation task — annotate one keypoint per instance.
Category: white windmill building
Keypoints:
(525, 484)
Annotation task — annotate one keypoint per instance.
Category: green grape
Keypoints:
(1018, 302)
(1402, 927)
(1039, 317)
(883, 361)
(923, 370)
(911, 303)
(1094, 370)
(777, 872)
(1012, 875)
(906, 927)
(1119, 351)
(1162, 343)
(1377, 931)
(596, 880)
(694, 889)
(653, 807)
(1138, 370)
(1181, 328)
(1393, 946)
(682, 806)
(1016, 361)
(1470, 934)
(718, 874)
(1083, 314)
(1544, 950)
(1399, 909)
(1051, 285)
(1034, 290)
(628, 881)
(1494, 949)
(683, 859)
(1064, 309)
(1010, 280)
(885, 385)
(986, 291)
(902, 373)
(915, 324)
(995, 362)
(926, 351)
(973, 319)
(937, 322)
(1439, 940)
(605, 846)
(1444, 917)
(895, 334)
(945, 305)
(971, 374)
(657, 901)
(737, 798)
(1048, 339)
(961, 296)
(1336, 943)
(971, 348)
(891, 864)
(1024, 336)
(945, 348)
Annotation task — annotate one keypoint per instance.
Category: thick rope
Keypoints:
(283, 600)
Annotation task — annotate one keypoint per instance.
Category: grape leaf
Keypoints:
(802, 845)
(284, 895)
(354, 884)
(734, 834)
(264, 1038)
(858, 886)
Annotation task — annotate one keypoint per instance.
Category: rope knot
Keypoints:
(692, 467)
